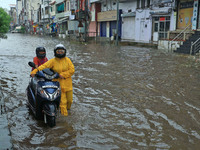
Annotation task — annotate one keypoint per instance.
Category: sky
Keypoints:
(6, 3)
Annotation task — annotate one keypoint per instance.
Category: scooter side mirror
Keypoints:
(31, 64)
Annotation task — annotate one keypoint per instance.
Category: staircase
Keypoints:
(191, 45)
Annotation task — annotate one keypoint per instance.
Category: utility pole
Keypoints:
(17, 12)
(117, 26)
(48, 1)
(32, 15)
(86, 18)
(48, 12)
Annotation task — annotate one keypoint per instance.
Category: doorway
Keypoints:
(161, 26)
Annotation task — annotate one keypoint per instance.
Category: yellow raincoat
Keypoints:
(65, 68)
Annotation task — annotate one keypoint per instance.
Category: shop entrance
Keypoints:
(161, 27)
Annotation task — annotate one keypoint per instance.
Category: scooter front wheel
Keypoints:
(51, 120)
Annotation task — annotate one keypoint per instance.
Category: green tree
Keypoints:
(4, 23)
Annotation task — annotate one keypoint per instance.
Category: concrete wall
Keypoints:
(128, 23)
(169, 45)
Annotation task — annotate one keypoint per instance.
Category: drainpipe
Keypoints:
(86, 18)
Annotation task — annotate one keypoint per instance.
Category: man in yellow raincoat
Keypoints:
(62, 65)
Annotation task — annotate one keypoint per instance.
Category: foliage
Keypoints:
(4, 23)
(22, 29)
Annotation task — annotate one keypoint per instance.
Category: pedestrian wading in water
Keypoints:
(62, 65)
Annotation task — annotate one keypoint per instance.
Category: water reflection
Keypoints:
(124, 98)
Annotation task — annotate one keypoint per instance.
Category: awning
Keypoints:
(62, 20)
(161, 11)
(52, 3)
(130, 14)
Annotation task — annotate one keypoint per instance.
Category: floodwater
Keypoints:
(124, 98)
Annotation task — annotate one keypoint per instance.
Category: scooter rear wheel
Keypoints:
(51, 120)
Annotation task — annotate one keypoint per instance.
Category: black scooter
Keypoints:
(44, 95)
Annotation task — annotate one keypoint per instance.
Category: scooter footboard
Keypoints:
(50, 109)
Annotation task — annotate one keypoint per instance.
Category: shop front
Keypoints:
(185, 13)
(128, 27)
(161, 23)
(108, 23)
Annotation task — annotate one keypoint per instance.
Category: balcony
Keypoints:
(59, 1)
(94, 1)
(63, 14)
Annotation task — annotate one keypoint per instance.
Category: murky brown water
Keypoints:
(124, 98)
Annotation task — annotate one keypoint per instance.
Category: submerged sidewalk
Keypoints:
(138, 43)
(5, 137)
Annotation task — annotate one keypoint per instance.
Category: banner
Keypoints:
(195, 12)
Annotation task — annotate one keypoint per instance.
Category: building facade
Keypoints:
(138, 20)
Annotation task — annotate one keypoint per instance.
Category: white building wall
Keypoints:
(29, 9)
(109, 5)
(35, 4)
(143, 26)
(19, 7)
(173, 21)
(107, 29)
(128, 6)
(43, 5)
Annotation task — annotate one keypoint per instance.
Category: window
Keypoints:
(156, 27)
(68, 6)
(60, 8)
(156, 19)
(148, 3)
(46, 10)
(138, 4)
(162, 26)
(142, 3)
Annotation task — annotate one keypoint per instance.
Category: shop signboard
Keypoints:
(107, 16)
(195, 12)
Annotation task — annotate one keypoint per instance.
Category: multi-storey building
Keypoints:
(18, 9)
(139, 20)
(107, 19)
(95, 8)
(13, 15)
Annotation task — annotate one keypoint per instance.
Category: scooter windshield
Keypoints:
(50, 86)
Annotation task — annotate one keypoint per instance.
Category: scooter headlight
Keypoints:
(49, 77)
(43, 92)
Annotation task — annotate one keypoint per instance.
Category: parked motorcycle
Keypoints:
(44, 95)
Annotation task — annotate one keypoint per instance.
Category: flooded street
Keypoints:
(124, 98)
